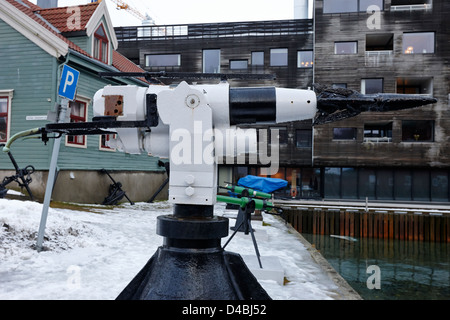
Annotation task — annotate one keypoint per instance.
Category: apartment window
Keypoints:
(344, 133)
(371, 86)
(365, 4)
(418, 43)
(418, 131)
(238, 64)
(211, 61)
(349, 183)
(101, 45)
(378, 132)
(347, 6)
(303, 138)
(340, 6)
(257, 58)
(349, 47)
(439, 185)
(339, 85)
(163, 60)
(415, 86)
(380, 42)
(305, 59)
(282, 135)
(279, 57)
(78, 113)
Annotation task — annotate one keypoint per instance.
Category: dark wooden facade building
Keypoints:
(271, 47)
(390, 46)
(283, 48)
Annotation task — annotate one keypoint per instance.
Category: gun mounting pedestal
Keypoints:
(191, 264)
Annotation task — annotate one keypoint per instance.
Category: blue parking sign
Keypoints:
(68, 83)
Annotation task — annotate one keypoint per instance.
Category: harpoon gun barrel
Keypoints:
(334, 104)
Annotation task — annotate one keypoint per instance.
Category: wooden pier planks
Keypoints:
(399, 225)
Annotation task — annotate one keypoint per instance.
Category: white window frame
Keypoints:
(109, 49)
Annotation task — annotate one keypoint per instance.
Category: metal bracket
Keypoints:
(101, 124)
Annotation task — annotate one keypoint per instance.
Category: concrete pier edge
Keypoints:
(346, 292)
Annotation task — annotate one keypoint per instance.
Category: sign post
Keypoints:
(67, 90)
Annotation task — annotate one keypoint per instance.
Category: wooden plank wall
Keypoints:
(398, 225)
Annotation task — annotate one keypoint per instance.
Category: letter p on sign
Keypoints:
(68, 83)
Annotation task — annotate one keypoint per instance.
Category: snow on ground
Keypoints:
(94, 253)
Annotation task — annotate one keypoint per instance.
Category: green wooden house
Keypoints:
(34, 45)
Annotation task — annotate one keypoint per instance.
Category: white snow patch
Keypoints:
(94, 255)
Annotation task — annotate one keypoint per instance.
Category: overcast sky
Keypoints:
(196, 11)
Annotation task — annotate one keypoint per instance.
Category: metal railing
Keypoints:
(216, 30)
(412, 7)
(375, 58)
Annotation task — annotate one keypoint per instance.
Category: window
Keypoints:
(303, 138)
(347, 6)
(378, 132)
(339, 85)
(282, 135)
(380, 42)
(279, 57)
(344, 133)
(417, 43)
(415, 86)
(439, 185)
(101, 45)
(163, 60)
(340, 6)
(371, 86)
(332, 183)
(238, 64)
(211, 61)
(258, 58)
(305, 59)
(349, 183)
(104, 139)
(367, 179)
(418, 131)
(4, 103)
(350, 47)
(5, 113)
(78, 113)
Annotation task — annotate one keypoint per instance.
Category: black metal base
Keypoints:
(191, 265)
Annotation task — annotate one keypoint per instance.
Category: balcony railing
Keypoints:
(377, 139)
(412, 7)
(379, 58)
(216, 30)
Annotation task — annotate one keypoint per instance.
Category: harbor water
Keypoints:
(382, 269)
